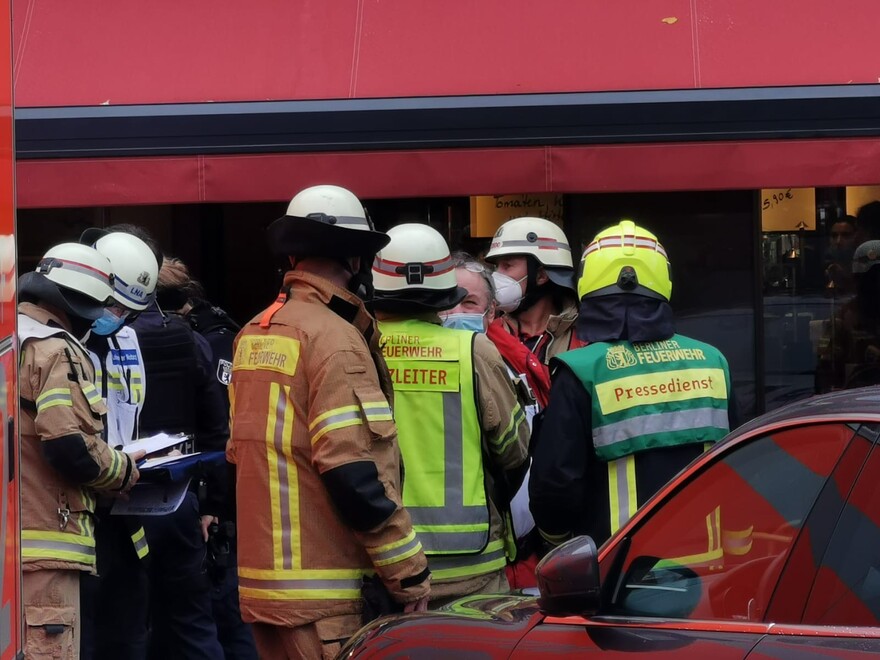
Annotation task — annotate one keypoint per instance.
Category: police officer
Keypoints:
(632, 408)
(64, 460)
(180, 293)
(122, 590)
(463, 435)
(182, 397)
(314, 443)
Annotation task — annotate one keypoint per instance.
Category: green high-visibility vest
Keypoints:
(653, 394)
(440, 437)
(649, 395)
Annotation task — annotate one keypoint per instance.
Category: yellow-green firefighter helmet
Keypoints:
(625, 258)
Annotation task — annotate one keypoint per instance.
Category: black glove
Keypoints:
(377, 600)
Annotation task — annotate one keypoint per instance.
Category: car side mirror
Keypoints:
(568, 579)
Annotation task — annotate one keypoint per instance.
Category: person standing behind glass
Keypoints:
(849, 349)
(838, 268)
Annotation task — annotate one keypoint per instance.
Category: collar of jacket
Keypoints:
(557, 324)
(45, 315)
(308, 287)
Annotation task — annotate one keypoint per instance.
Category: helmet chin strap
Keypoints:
(361, 281)
(534, 291)
(80, 327)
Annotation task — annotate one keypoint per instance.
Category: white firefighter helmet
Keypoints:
(539, 238)
(415, 271)
(73, 277)
(325, 221)
(135, 269)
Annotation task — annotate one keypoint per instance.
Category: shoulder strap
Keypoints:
(266, 319)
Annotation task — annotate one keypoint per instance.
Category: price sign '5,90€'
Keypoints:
(788, 209)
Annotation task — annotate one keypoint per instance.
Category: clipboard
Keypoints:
(178, 468)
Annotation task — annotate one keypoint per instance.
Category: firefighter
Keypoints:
(534, 287)
(463, 435)
(121, 591)
(314, 443)
(64, 460)
(632, 408)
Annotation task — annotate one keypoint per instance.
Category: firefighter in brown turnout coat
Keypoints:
(314, 443)
(64, 458)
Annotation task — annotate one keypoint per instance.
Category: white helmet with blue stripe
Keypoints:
(135, 269)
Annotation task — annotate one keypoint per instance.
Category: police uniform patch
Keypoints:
(224, 371)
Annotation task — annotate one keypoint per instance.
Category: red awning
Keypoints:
(94, 52)
(692, 166)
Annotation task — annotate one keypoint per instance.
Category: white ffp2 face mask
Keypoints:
(508, 292)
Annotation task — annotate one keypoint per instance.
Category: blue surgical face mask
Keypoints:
(107, 324)
(472, 322)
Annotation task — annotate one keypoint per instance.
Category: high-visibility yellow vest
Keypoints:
(440, 439)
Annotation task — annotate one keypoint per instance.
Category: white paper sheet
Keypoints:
(155, 443)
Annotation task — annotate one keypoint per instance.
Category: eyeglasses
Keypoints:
(122, 312)
(474, 267)
(483, 271)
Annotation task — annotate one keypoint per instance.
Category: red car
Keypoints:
(767, 546)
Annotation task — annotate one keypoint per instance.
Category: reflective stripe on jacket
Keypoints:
(447, 430)
(59, 399)
(309, 398)
(123, 373)
(439, 433)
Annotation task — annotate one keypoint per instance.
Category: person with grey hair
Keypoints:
(476, 312)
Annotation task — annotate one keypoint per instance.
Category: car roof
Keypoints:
(862, 404)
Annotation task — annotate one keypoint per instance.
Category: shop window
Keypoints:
(821, 293)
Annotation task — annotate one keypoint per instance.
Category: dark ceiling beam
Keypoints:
(447, 122)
